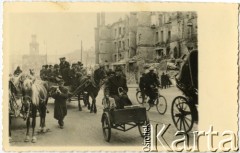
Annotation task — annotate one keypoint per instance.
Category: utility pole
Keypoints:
(81, 50)
(46, 51)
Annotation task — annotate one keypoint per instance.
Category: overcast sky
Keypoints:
(62, 32)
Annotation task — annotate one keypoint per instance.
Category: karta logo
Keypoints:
(153, 137)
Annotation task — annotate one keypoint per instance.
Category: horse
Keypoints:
(92, 86)
(34, 97)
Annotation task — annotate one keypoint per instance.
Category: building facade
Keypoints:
(145, 37)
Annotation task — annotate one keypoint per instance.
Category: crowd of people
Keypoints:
(69, 73)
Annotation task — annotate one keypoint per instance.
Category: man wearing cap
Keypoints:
(60, 103)
(151, 84)
(112, 86)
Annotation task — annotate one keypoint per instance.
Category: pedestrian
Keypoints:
(142, 86)
(163, 80)
(60, 103)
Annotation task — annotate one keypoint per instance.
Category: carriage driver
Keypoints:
(112, 86)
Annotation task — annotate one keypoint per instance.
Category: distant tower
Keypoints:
(102, 18)
(34, 46)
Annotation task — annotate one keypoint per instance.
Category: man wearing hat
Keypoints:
(60, 103)
(64, 69)
(151, 84)
(113, 86)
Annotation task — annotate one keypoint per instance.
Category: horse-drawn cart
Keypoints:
(122, 119)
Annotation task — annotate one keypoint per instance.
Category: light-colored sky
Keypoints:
(62, 32)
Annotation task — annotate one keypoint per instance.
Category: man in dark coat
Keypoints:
(163, 81)
(142, 85)
(112, 87)
(152, 83)
(64, 70)
(56, 72)
(60, 106)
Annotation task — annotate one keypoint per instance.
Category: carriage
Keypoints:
(122, 119)
(75, 93)
(184, 108)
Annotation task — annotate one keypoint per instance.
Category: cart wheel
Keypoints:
(106, 128)
(142, 127)
(161, 105)
(182, 114)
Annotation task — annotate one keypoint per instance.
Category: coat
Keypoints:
(113, 83)
(60, 103)
(151, 79)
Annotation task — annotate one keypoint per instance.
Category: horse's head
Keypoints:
(99, 76)
(27, 90)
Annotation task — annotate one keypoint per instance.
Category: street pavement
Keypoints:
(83, 128)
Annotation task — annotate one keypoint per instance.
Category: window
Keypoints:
(124, 30)
(128, 43)
(119, 44)
(139, 37)
(119, 30)
(162, 36)
(169, 36)
(156, 37)
(115, 32)
(115, 45)
(123, 44)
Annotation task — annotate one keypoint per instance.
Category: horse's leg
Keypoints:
(34, 114)
(91, 108)
(87, 101)
(43, 117)
(94, 105)
(28, 125)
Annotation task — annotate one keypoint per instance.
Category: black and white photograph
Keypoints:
(102, 78)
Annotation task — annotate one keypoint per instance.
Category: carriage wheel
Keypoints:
(182, 114)
(106, 128)
(161, 105)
